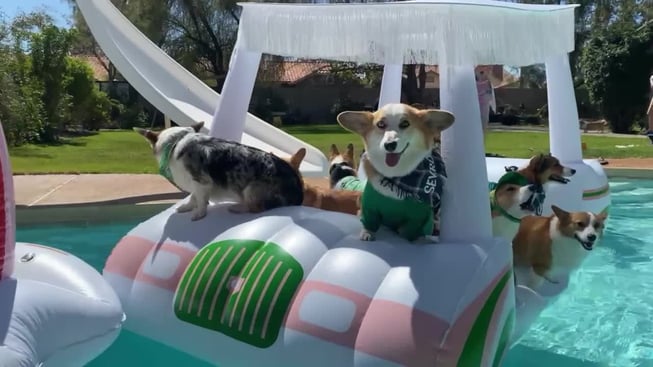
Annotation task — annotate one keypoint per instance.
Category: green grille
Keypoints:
(241, 288)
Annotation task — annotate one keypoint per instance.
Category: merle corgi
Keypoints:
(214, 169)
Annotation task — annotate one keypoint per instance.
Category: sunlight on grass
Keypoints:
(128, 152)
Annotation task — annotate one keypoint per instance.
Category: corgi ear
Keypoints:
(602, 216)
(436, 120)
(297, 158)
(350, 151)
(359, 122)
(333, 151)
(150, 135)
(537, 162)
(561, 214)
(197, 126)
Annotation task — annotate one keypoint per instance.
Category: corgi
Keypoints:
(544, 168)
(540, 170)
(343, 201)
(506, 197)
(342, 165)
(405, 174)
(214, 169)
(556, 245)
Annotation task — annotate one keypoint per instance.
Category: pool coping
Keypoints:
(142, 206)
(628, 172)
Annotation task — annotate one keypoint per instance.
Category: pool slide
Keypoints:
(55, 310)
(174, 90)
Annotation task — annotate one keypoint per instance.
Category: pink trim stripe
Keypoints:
(346, 338)
(7, 212)
(391, 330)
(402, 334)
(129, 255)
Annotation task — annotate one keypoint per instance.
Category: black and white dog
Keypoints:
(221, 170)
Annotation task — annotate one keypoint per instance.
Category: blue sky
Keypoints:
(58, 9)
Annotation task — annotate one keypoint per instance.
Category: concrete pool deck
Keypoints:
(115, 189)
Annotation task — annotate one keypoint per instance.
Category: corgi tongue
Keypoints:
(391, 159)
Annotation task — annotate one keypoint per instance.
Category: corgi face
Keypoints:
(510, 196)
(158, 139)
(346, 158)
(584, 227)
(397, 137)
(547, 167)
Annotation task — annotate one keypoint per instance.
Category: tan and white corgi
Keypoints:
(344, 201)
(543, 168)
(506, 200)
(555, 246)
(405, 174)
(341, 165)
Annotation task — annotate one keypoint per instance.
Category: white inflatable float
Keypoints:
(294, 286)
(55, 310)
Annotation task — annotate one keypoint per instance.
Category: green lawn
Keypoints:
(128, 152)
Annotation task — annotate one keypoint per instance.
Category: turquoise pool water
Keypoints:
(604, 319)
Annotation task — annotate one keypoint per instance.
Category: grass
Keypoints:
(106, 152)
(127, 152)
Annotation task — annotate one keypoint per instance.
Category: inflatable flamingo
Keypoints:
(55, 310)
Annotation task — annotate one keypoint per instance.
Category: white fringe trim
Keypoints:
(461, 32)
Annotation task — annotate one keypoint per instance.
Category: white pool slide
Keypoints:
(174, 90)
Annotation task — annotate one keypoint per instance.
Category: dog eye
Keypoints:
(580, 224)
(404, 124)
(511, 188)
(381, 124)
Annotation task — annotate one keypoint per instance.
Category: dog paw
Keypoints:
(183, 208)
(198, 214)
(238, 208)
(366, 235)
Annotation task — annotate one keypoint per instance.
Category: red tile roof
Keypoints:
(99, 71)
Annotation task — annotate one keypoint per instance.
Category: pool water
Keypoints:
(604, 319)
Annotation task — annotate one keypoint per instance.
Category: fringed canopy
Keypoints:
(455, 32)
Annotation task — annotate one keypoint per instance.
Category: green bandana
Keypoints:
(164, 163)
(511, 177)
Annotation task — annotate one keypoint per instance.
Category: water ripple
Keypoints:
(605, 317)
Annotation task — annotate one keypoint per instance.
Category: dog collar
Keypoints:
(495, 208)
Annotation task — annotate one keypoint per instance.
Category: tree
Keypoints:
(43, 89)
(199, 34)
(615, 63)
(149, 16)
(48, 51)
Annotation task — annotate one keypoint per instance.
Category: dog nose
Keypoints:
(390, 147)
(591, 237)
(573, 171)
